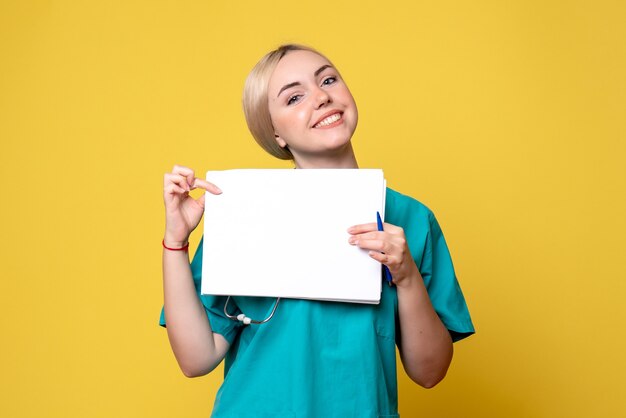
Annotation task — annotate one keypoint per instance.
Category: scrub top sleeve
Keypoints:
(213, 305)
(442, 285)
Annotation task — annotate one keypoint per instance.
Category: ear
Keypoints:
(281, 142)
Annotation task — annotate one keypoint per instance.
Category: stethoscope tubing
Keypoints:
(244, 319)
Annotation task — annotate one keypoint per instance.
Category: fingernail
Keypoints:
(352, 240)
(218, 189)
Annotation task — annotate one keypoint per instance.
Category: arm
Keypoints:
(425, 343)
(197, 348)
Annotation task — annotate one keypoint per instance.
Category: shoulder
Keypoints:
(415, 218)
(406, 211)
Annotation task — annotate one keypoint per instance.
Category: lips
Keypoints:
(329, 118)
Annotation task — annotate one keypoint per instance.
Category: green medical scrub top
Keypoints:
(327, 359)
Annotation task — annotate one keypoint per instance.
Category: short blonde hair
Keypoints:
(256, 104)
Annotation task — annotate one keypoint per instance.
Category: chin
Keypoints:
(338, 137)
(338, 146)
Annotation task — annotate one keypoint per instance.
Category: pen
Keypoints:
(386, 271)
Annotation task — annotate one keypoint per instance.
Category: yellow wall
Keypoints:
(507, 118)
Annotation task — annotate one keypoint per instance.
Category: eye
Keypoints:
(293, 99)
(329, 80)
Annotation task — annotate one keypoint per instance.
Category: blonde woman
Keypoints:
(313, 359)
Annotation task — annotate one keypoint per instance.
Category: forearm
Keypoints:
(425, 343)
(196, 348)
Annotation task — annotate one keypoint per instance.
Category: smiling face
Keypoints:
(312, 110)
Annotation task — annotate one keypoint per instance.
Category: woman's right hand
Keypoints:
(183, 212)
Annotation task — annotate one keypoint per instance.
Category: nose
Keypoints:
(322, 98)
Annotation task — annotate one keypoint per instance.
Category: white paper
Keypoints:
(283, 233)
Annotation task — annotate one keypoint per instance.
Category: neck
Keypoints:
(342, 159)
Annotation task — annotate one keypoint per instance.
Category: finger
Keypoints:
(382, 235)
(394, 229)
(209, 187)
(382, 258)
(376, 245)
(174, 188)
(176, 179)
(387, 227)
(398, 240)
(359, 229)
(186, 172)
(374, 235)
(200, 201)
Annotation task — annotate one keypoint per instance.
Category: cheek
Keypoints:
(281, 124)
(278, 119)
(290, 121)
(352, 103)
(300, 115)
(349, 99)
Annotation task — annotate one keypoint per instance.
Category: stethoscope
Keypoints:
(244, 319)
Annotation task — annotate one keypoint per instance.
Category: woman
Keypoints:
(313, 359)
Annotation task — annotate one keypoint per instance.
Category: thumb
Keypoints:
(201, 201)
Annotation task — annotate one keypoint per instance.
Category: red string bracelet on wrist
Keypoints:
(185, 248)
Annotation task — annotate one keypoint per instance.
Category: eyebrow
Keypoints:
(297, 83)
(322, 68)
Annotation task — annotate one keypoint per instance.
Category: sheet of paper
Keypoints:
(284, 233)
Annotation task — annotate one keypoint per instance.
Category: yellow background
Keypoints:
(507, 118)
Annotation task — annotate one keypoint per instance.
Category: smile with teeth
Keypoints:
(327, 121)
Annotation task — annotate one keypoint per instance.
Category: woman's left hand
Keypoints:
(389, 247)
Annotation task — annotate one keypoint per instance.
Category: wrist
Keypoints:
(175, 240)
(175, 245)
(409, 282)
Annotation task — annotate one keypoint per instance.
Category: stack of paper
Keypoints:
(283, 233)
